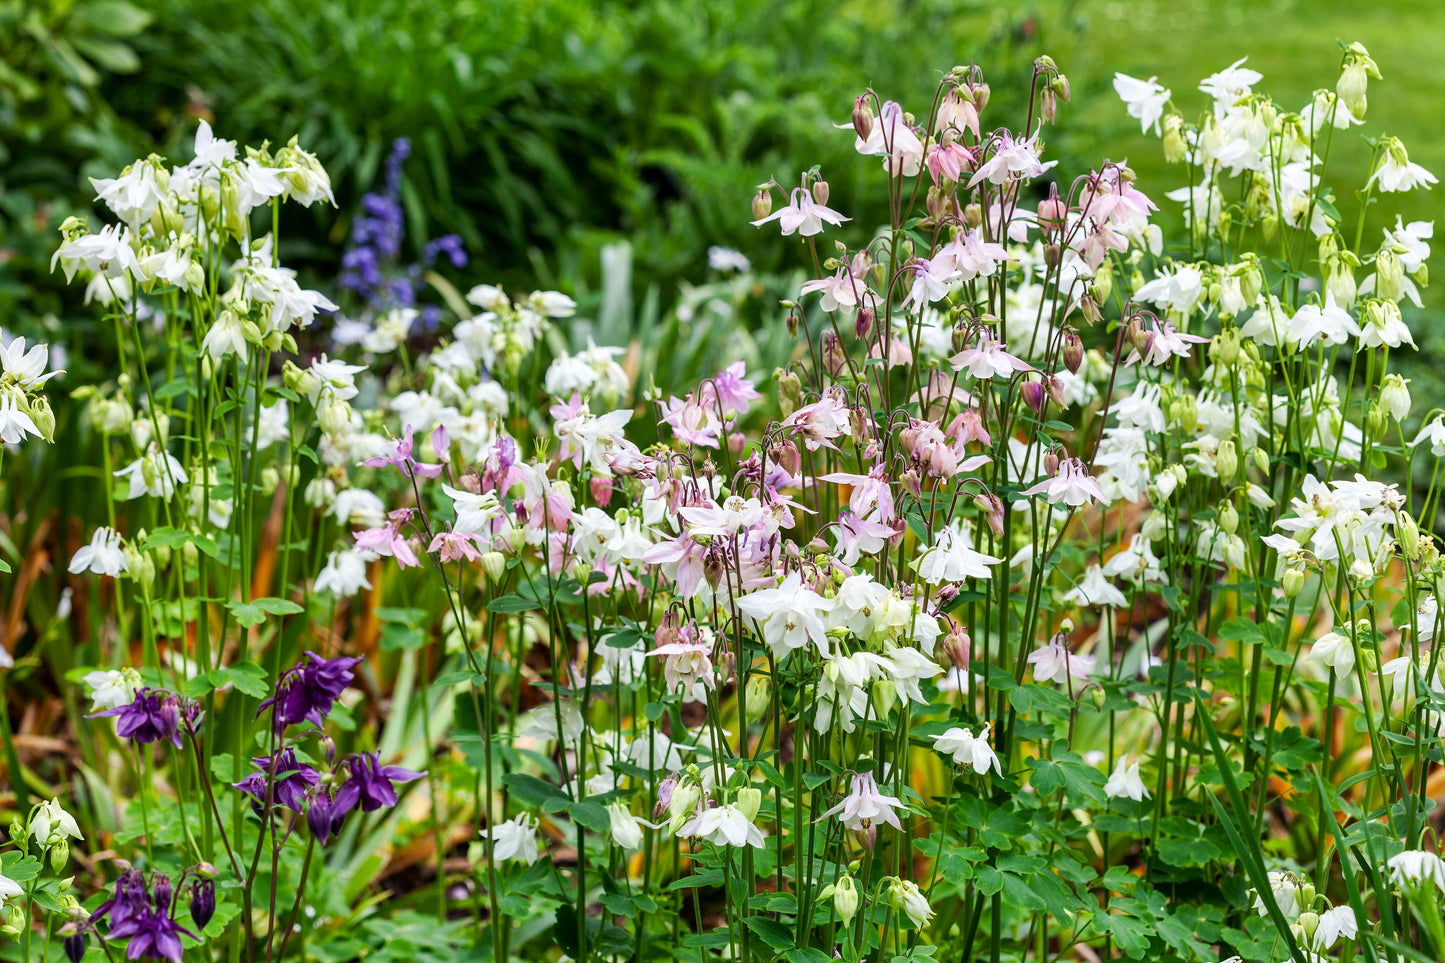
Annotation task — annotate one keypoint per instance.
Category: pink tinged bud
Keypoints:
(788, 458)
(834, 358)
(1053, 214)
(1054, 389)
(737, 441)
(762, 203)
(958, 647)
(820, 192)
(862, 117)
(1033, 393)
(993, 511)
(868, 836)
(1073, 351)
(601, 490)
(664, 795)
(911, 483)
(1051, 463)
(980, 94)
(946, 594)
(863, 323)
(440, 443)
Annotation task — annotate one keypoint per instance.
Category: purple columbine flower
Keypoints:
(203, 902)
(153, 715)
(143, 919)
(306, 691)
(293, 780)
(324, 817)
(370, 785)
(130, 899)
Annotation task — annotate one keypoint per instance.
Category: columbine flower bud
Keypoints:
(1175, 146)
(1395, 397)
(749, 800)
(862, 117)
(790, 390)
(1377, 419)
(1073, 351)
(1389, 275)
(1229, 518)
(845, 898)
(203, 902)
(74, 946)
(863, 323)
(333, 414)
(1226, 461)
(885, 697)
(1051, 463)
(59, 855)
(958, 647)
(820, 191)
(758, 690)
(680, 806)
(1293, 582)
(1033, 395)
(43, 417)
(1354, 81)
(762, 203)
(1048, 104)
(494, 563)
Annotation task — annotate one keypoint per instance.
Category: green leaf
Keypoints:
(511, 604)
(771, 932)
(529, 790)
(591, 815)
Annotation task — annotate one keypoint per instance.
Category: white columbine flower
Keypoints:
(1397, 172)
(626, 828)
(1336, 923)
(789, 616)
(112, 689)
(1126, 781)
(102, 556)
(1417, 866)
(51, 821)
(1335, 650)
(952, 559)
(968, 749)
(516, 839)
(1144, 100)
(344, 574)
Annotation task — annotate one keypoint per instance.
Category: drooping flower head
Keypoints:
(305, 692)
(152, 716)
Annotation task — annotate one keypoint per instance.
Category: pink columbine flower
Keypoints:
(1165, 342)
(401, 459)
(730, 390)
(688, 660)
(822, 421)
(1012, 160)
(988, 359)
(1072, 484)
(865, 805)
(387, 541)
(454, 546)
(1053, 660)
(802, 215)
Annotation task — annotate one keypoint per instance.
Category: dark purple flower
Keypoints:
(449, 245)
(306, 691)
(153, 935)
(152, 717)
(293, 780)
(131, 898)
(74, 946)
(325, 817)
(144, 921)
(203, 902)
(370, 785)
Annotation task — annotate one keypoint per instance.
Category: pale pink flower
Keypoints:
(865, 805)
(1071, 484)
(802, 215)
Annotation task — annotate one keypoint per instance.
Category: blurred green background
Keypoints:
(543, 130)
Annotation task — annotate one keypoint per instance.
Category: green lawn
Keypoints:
(1294, 44)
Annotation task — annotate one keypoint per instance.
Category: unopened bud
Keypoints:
(820, 191)
(863, 117)
(1293, 582)
(762, 203)
(1073, 351)
(845, 898)
(1226, 461)
(863, 322)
